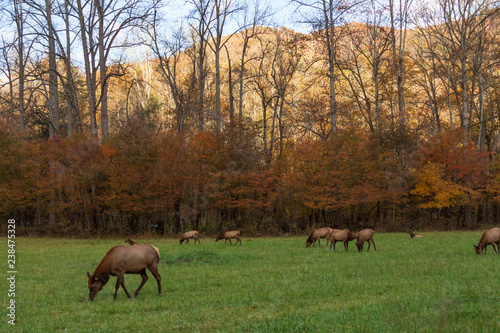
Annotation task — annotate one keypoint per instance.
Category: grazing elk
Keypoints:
(131, 242)
(344, 235)
(316, 234)
(413, 235)
(489, 237)
(190, 234)
(362, 236)
(228, 235)
(120, 260)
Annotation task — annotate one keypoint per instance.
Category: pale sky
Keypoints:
(283, 17)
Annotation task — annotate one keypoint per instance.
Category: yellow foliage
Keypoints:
(434, 190)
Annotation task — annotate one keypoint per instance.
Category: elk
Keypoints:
(413, 235)
(365, 235)
(489, 237)
(329, 236)
(131, 242)
(344, 235)
(228, 235)
(316, 234)
(120, 260)
(190, 234)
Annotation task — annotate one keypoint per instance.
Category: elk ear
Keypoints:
(88, 274)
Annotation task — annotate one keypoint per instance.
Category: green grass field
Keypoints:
(433, 284)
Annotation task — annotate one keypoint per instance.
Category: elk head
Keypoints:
(360, 246)
(95, 285)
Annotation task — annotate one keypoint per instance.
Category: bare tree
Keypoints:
(251, 28)
(364, 63)
(399, 26)
(464, 19)
(325, 16)
(271, 76)
(223, 11)
(16, 13)
(103, 27)
(7, 69)
(70, 86)
(169, 52)
(426, 57)
(201, 17)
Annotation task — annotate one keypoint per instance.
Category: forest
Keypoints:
(114, 119)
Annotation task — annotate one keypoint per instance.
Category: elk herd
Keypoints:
(341, 235)
(136, 258)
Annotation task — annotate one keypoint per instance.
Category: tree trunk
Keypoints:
(102, 72)
(53, 91)
(20, 45)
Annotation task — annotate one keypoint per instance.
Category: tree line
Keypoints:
(114, 120)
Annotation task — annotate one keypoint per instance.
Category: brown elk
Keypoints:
(344, 235)
(413, 235)
(228, 235)
(316, 234)
(120, 260)
(329, 238)
(489, 237)
(365, 235)
(190, 234)
(131, 242)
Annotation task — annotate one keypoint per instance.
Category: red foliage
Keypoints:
(343, 171)
(463, 163)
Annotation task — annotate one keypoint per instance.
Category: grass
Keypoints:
(433, 284)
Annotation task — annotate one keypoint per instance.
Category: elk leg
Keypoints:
(154, 271)
(369, 244)
(120, 280)
(117, 286)
(144, 279)
(373, 242)
(238, 240)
